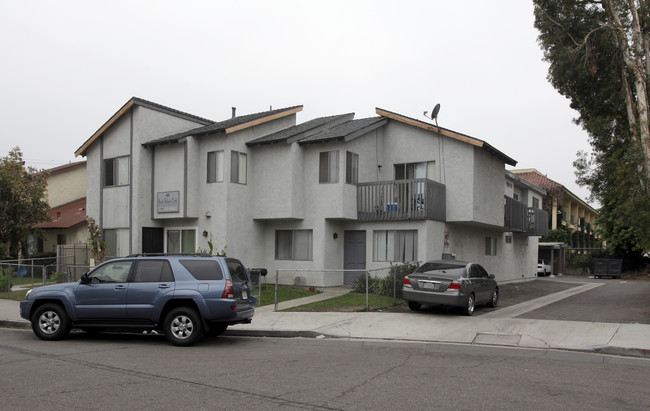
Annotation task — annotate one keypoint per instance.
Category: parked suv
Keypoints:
(184, 296)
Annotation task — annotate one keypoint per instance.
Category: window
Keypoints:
(409, 171)
(237, 272)
(153, 271)
(490, 246)
(508, 184)
(476, 271)
(328, 170)
(181, 241)
(515, 196)
(60, 239)
(293, 245)
(117, 272)
(116, 171)
(351, 168)
(508, 238)
(396, 245)
(215, 166)
(203, 270)
(117, 241)
(238, 167)
(535, 202)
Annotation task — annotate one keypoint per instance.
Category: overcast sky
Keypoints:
(67, 66)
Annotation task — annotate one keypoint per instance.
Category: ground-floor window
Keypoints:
(396, 245)
(490, 246)
(181, 241)
(294, 245)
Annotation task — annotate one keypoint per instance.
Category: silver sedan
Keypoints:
(450, 283)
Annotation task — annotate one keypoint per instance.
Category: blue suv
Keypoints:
(183, 296)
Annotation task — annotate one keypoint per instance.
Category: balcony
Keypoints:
(417, 199)
(520, 218)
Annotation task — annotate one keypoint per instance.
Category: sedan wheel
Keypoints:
(414, 306)
(183, 326)
(495, 298)
(50, 322)
(469, 307)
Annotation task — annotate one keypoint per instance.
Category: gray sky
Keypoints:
(67, 66)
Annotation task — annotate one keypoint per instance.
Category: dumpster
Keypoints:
(608, 267)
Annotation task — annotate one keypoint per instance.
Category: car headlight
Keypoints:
(27, 294)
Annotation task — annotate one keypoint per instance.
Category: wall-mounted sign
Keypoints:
(168, 202)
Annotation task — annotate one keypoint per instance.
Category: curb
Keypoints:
(15, 324)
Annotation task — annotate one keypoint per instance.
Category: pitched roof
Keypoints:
(65, 216)
(65, 167)
(346, 131)
(535, 177)
(303, 130)
(447, 133)
(135, 101)
(227, 126)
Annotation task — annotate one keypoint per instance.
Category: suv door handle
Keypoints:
(163, 286)
(120, 287)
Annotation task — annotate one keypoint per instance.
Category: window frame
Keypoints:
(238, 167)
(351, 167)
(328, 167)
(393, 246)
(215, 166)
(291, 244)
(119, 169)
(490, 246)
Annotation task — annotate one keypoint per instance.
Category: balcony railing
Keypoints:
(417, 199)
(520, 218)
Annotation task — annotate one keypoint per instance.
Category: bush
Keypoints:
(385, 285)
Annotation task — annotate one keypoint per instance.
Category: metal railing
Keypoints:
(521, 218)
(416, 199)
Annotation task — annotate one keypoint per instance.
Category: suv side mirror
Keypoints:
(84, 278)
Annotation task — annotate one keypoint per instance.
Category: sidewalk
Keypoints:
(498, 327)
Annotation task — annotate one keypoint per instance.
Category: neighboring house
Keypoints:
(66, 195)
(565, 210)
(330, 193)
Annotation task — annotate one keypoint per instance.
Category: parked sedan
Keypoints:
(543, 268)
(450, 283)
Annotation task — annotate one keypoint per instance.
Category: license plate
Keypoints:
(244, 295)
(430, 286)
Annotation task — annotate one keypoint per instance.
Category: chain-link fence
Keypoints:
(20, 275)
(335, 290)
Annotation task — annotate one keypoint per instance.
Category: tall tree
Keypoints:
(599, 58)
(22, 200)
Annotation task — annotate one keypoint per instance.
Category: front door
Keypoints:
(354, 255)
(153, 240)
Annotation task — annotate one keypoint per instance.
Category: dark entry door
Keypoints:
(354, 255)
(153, 240)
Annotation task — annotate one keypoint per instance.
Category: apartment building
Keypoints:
(330, 193)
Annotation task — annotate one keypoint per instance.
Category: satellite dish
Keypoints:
(434, 113)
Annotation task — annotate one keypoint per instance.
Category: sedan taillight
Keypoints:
(228, 291)
(455, 285)
(407, 281)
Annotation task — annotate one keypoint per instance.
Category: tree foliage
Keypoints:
(22, 201)
(599, 58)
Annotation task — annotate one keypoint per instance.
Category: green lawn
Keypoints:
(350, 302)
(285, 293)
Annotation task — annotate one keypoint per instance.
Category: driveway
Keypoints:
(612, 300)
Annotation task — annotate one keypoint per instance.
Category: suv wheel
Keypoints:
(50, 322)
(183, 326)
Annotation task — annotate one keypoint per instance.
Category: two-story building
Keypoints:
(331, 193)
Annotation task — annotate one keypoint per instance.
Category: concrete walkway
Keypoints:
(494, 328)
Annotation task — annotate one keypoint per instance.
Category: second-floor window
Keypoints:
(215, 166)
(535, 202)
(409, 171)
(237, 167)
(351, 167)
(116, 171)
(328, 167)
